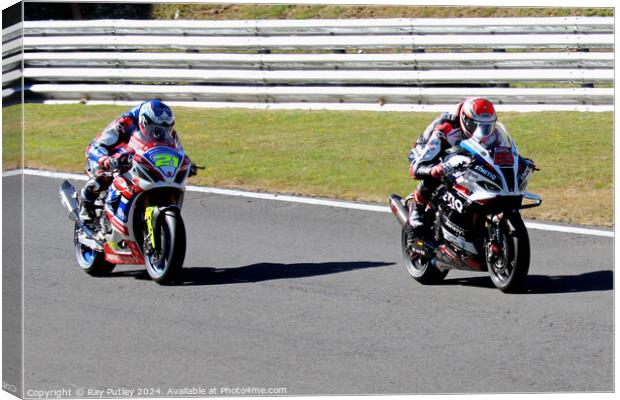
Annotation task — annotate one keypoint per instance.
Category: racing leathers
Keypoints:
(101, 154)
(425, 165)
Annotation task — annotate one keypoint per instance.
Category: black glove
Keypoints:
(193, 170)
(531, 164)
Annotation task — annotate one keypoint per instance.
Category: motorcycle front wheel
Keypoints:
(420, 268)
(508, 270)
(91, 261)
(164, 264)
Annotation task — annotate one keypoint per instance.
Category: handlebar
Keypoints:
(193, 169)
(118, 163)
(531, 164)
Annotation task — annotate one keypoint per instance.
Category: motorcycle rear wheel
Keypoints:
(420, 268)
(91, 261)
(509, 271)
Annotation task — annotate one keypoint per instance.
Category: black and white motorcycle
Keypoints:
(473, 220)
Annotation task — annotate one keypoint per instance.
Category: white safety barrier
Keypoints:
(320, 61)
(275, 94)
(321, 27)
(388, 64)
(422, 42)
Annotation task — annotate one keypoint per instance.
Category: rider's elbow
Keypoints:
(413, 172)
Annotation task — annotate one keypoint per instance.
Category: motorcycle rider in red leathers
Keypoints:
(472, 115)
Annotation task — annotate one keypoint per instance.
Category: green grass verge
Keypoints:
(11, 137)
(217, 11)
(348, 155)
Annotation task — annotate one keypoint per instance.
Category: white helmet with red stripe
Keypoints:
(477, 119)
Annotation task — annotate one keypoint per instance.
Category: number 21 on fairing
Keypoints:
(166, 160)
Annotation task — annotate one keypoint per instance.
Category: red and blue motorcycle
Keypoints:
(138, 219)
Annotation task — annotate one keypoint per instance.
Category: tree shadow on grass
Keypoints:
(197, 276)
(543, 284)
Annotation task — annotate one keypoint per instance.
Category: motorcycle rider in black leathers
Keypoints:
(472, 115)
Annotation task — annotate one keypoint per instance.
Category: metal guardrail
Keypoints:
(569, 25)
(482, 76)
(275, 94)
(367, 61)
(321, 61)
(412, 42)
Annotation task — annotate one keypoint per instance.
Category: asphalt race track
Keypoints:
(310, 298)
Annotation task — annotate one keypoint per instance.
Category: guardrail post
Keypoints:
(585, 50)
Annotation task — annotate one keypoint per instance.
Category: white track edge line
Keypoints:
(311, 200)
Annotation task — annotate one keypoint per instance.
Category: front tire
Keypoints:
(420, 268)
(509, 270)
(164, 264)
(91, 261)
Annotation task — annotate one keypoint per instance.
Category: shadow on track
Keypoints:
(257, 272)
(542, 284)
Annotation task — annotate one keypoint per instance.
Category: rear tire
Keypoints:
(509, 272)
(91, 261)
(420, 268)
(165, 266)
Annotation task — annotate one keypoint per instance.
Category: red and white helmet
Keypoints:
(477, 118)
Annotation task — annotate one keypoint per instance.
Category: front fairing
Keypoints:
(158, 170)
(495, 170)
(166, 160)
(158, 164)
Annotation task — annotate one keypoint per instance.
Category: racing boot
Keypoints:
(416, 219)
(87, 206)
(86, 211)
(415, 226)
(410, 232)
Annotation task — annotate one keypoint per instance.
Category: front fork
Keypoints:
(495, 244)
(152, 207)
(150, 244)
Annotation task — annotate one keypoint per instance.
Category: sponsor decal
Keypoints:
(121, 214)
(453, 202)
(460, 242)
(453, 227)
(483, 171)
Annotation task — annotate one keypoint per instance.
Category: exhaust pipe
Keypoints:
(68, 198)
(398, 209)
